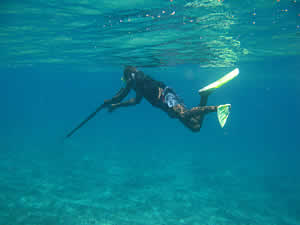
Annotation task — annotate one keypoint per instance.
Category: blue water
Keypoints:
(137, 166)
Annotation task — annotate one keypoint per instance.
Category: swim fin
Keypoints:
(223, 113)
(213, 86)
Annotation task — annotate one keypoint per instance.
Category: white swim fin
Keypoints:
(223, 113)
(213, 86)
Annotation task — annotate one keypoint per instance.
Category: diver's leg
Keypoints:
(197, 114)
(203, 101)
(191, 123)
(178, 112)
(208, 109)
(200, 111)
(192, 118)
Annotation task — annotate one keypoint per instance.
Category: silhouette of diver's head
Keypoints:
(129, 73)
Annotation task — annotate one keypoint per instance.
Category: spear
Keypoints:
(85, 121)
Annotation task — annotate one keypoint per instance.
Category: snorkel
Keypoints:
(122, 79)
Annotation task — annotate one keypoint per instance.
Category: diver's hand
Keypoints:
(112, 107)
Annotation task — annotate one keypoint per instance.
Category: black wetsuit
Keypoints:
(155, 92)
(147, 87)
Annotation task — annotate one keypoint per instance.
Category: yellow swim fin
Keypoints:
(223, 113)
(213, 86)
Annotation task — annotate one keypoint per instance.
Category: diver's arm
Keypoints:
(130, 102)
(122, 93)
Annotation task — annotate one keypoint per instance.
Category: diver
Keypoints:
(161, 96)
